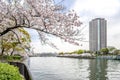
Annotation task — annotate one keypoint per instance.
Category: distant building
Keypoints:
(97, 34)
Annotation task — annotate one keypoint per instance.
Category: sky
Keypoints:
(87, 10)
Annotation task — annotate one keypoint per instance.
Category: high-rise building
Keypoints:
(97, 34)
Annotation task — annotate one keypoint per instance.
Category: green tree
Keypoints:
(87, 51)
(116, 52)
(111, 48)
(104, 50)
(79, 51)
(11, 43)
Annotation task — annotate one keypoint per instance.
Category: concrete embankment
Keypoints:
(110, 57)
(24, 70)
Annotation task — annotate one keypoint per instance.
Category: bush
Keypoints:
(79, 51)
(61, 53)
(9, 72)
(104, 50)
(117, 52)
(15, 57)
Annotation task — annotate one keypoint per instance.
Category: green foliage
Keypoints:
(16, 57)
(11, 43)
(104, 50)
(76, 52)
(87, 51)
(10, 58)
(61, 53)
(117, 52)
(111, 48)
(26, 34)
(9, 72)
(79, 51)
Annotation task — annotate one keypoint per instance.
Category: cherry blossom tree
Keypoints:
(46, 17)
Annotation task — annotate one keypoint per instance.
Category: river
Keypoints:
(56, 68)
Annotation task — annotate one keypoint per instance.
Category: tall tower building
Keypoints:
(97, 34)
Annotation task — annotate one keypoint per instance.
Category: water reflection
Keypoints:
(113, 70)
(98, 69)
(54, 68)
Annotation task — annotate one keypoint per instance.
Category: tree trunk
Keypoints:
(12, 52)
(2, 51)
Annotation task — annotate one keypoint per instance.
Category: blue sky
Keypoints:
(87, 10)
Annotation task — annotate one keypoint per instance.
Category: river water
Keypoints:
(56, 68)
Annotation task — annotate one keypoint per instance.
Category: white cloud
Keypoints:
(113, 35)
(108, 9)
(97, 7)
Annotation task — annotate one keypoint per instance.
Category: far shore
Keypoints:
(111, 57)
(80, 57)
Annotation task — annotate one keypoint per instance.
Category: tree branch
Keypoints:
(16, 36)
(9, 29)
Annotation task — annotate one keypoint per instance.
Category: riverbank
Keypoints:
(89, 56)
(22, 64)
(80, 56)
